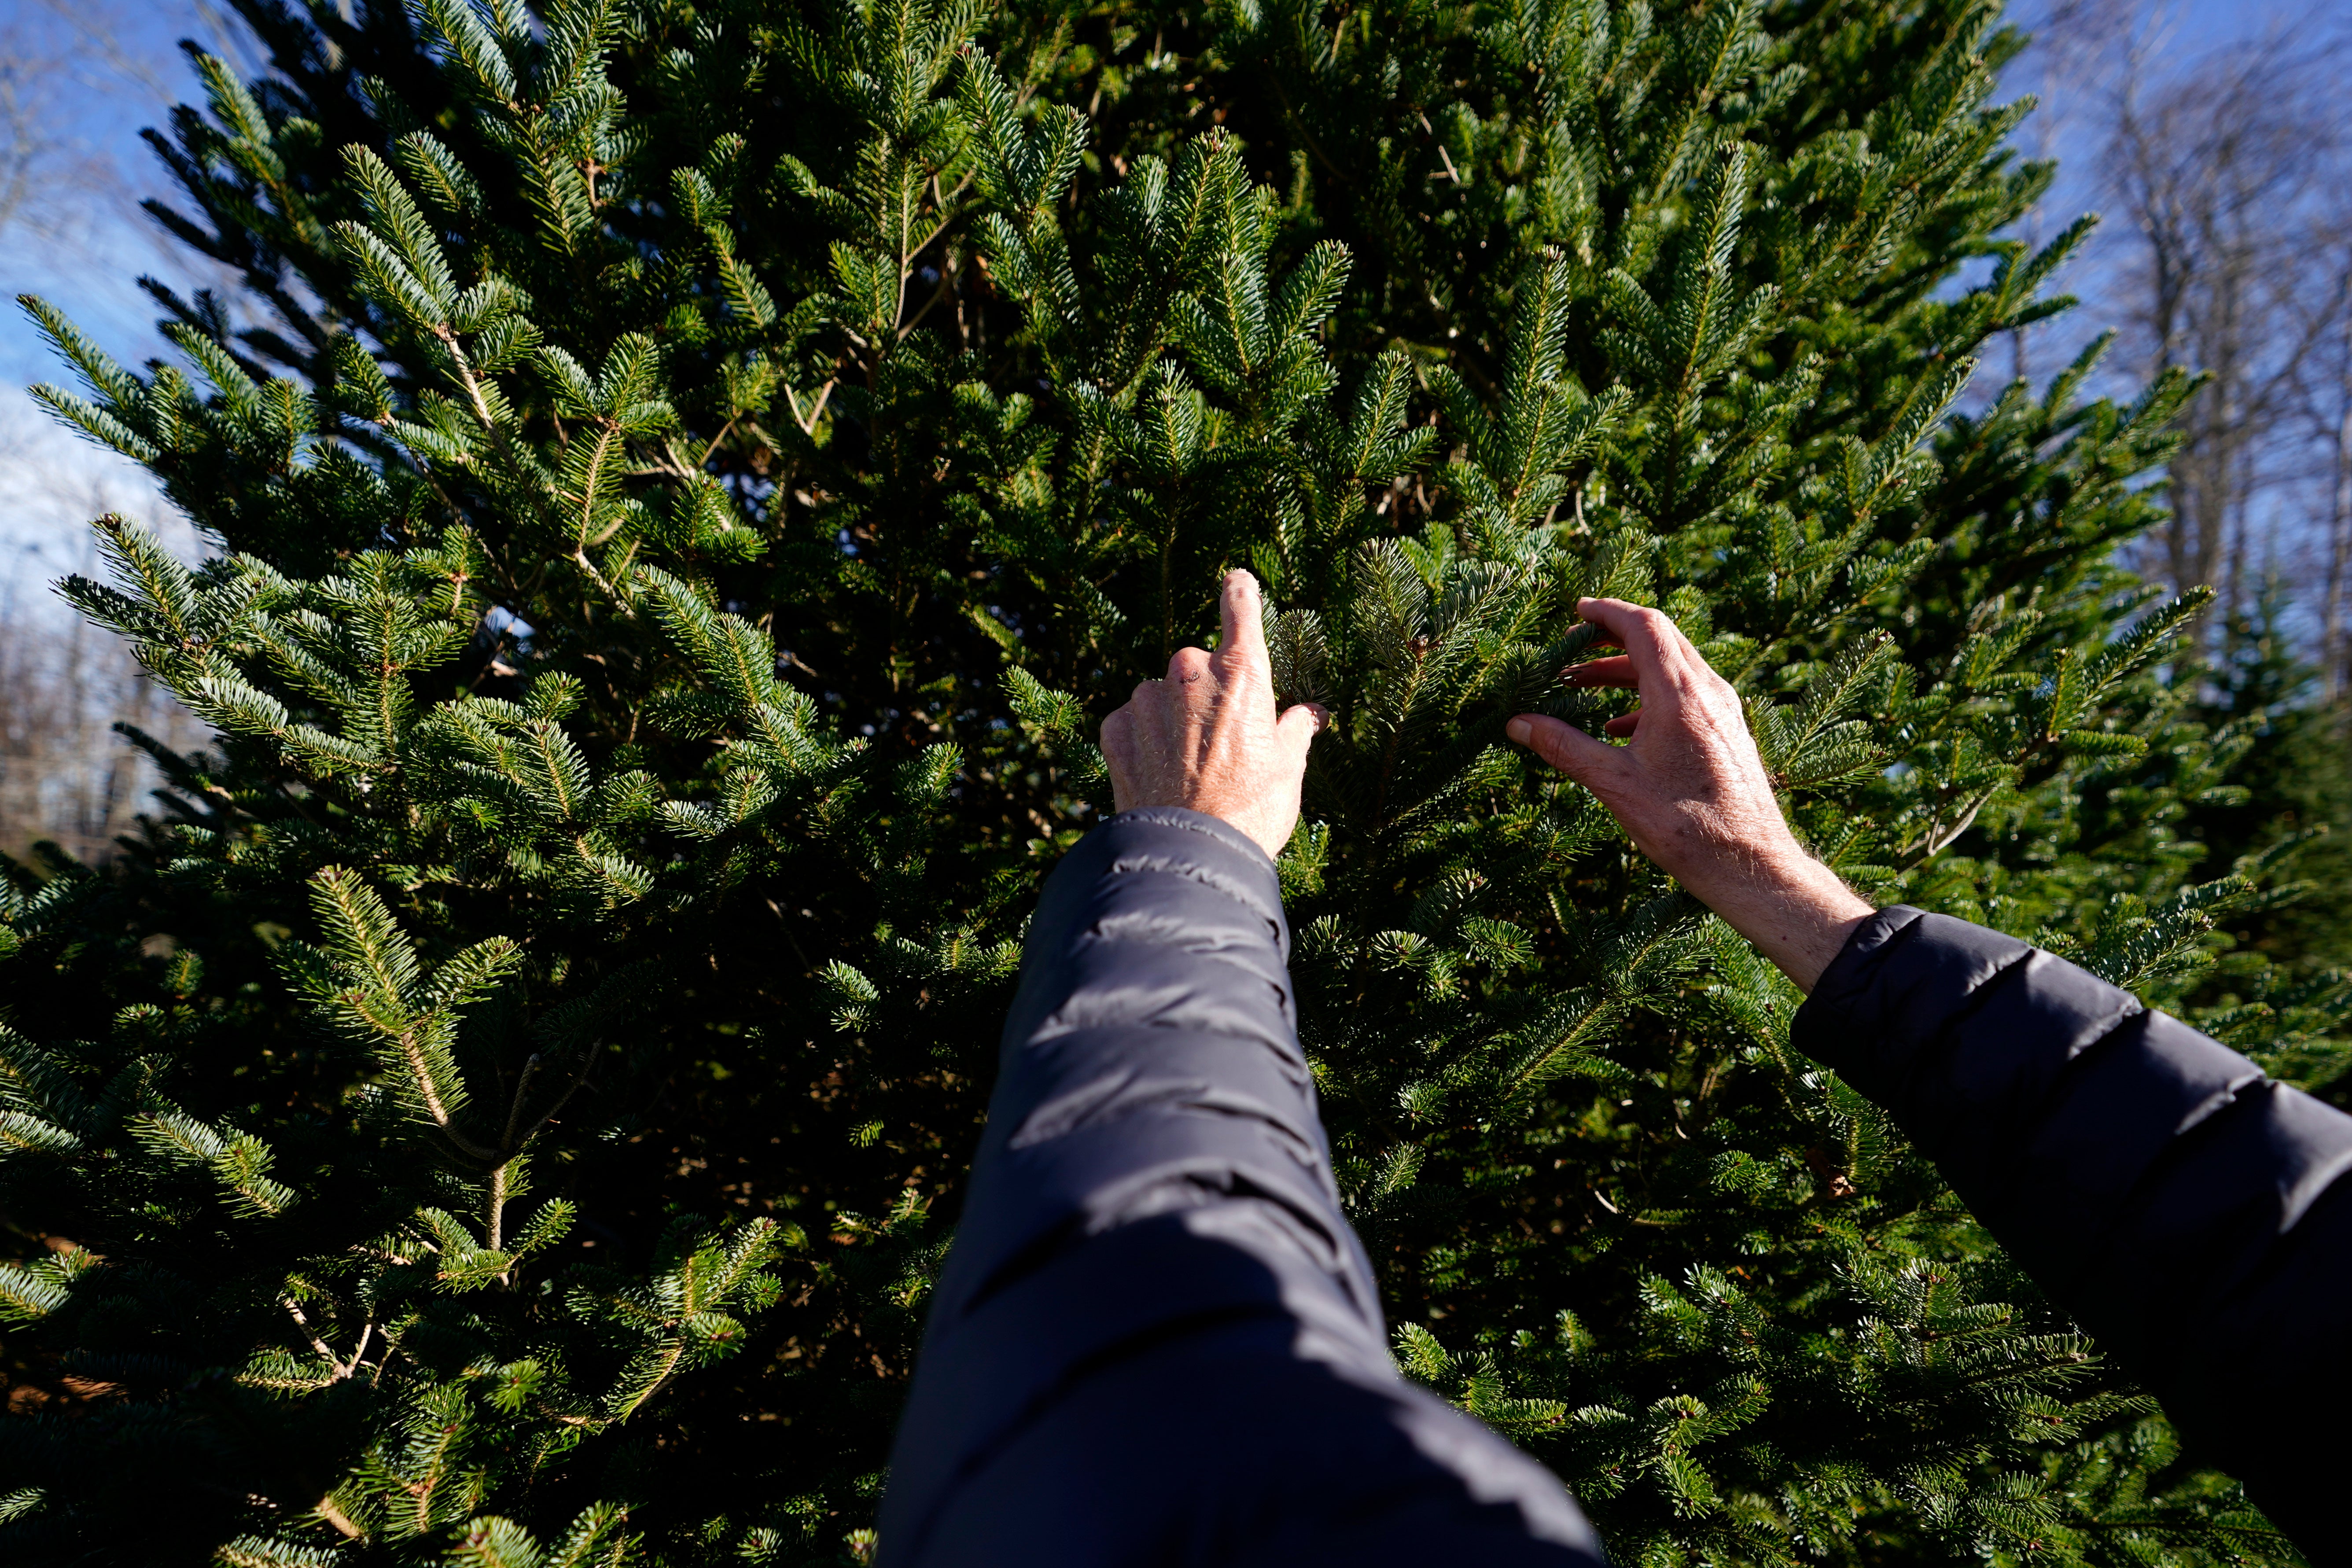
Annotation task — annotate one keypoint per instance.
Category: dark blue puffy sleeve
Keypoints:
(2195, 1216)
(1157, 1339)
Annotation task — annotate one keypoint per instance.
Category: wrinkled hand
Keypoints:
(1691, 792)
(1208, 739)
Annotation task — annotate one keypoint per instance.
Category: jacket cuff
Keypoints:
(1844, 1017)
(1171, 840)
(1853, 971)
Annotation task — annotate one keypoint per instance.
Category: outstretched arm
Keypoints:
(1157, 1339)
(2191, 1214)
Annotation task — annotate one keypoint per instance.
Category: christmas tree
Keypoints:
(687, 480)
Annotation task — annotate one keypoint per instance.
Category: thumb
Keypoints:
(1298, 728)
(1588, 761)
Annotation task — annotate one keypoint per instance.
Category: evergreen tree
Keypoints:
(2288, 799)
(687, 480)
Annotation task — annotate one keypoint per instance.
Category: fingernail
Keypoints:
(1519, 730)
(1322, 716)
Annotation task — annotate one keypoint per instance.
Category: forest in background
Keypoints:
(75, 80)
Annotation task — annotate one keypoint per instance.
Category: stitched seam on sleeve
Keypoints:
(1071, 1233)
(2136, 1018)
(2281, 1250)
(1143, 863)
(1051, 1031)
(1934, 1059)
(2184, 1144)
(1823, 1011)
(1895, 939)
(1136, 1015)
(1201, 829)
(2342, 1173)
(1191, 824)
(1168, 934)
(1037, 1130)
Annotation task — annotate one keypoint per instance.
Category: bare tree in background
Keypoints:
(65, 776)
(2323, 405)
(42, 171)
(2223, 169)
(66, 203)
(69, 179)
(2071, 45)
(19, 124)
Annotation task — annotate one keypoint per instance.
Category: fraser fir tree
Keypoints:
(686, 479)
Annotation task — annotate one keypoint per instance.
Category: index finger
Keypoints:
(1654, 647)
(1240, 640)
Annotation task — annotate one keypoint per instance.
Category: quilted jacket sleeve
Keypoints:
(1156, 1339)
(2193, 1215)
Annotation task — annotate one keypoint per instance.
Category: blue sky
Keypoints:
(120, 69)
(93, 72)
(89, 246)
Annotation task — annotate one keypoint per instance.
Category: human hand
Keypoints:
(1208, 739)
(1690, 790)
